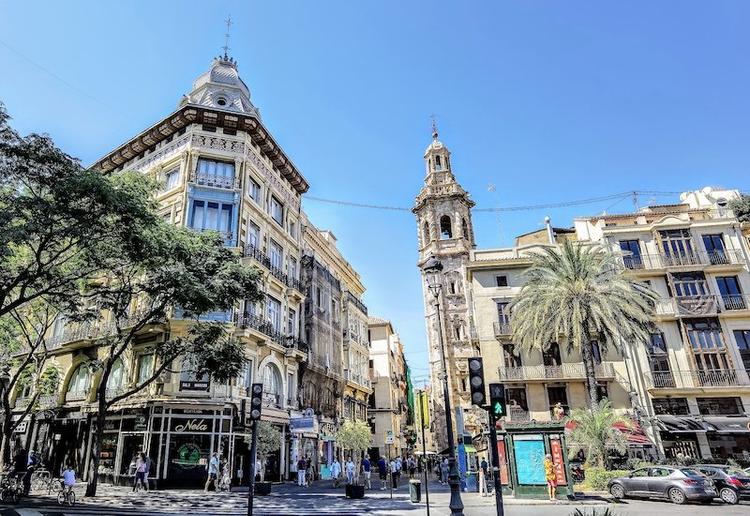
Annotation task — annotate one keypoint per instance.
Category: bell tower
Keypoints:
(445, 231)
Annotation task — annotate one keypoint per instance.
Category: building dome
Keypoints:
(221, 88)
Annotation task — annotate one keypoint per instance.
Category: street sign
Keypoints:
(389, 437)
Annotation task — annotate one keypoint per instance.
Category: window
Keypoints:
(689, 284)
(731, 295)
(215, 216)
(291, 323)
(670, 406)
(215, 173)
(709, 352)
(292, 268)
(190, 380)
(80, 383)
(631, 250)
(291, 394)
(334, 310)
(116, 380)
(602, 391)
(273, 307)
(438, 163)
(678, 247)
(510, 358)
(596, 352)
(558, 394)
(515, 398)
(272, 387)
(659, 361)
(742, 337)
(145, 366)
(731, 406)
(465, 229)
(245, 380)
(446, 231)
(277, 211)
(551, 356)
(293, 229)
(501, 281)
(276, 255)
(451, 287)
(714, 245)
(253, 235)
(253, 190)
(172, 179)
(425, 234)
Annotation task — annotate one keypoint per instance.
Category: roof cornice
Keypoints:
(194, 114)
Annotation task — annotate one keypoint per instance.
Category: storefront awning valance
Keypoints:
(727, 424)
(680, 424)
(634, 434)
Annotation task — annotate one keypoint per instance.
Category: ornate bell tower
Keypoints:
(445, 231)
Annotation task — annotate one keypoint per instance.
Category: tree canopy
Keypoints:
(595, 433)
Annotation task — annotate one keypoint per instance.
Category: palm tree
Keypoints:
(594, 432)
(580, 293)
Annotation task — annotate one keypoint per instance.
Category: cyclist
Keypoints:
(69, 478)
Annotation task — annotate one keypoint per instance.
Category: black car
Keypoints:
(731, 483)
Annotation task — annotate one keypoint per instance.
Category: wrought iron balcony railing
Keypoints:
(696, 378)
(265, 327)
(215, 180)
(664, 260)
(573, 371)
(502, 328)
(697, 306)
(256, 254)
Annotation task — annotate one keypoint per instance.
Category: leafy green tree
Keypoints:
(595, 434)
(179, 273)
(269, 441)
(741, 208)
(355, 438)
(580, 293)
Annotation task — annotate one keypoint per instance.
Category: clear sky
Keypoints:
(549, 101)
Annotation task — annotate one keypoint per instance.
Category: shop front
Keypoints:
(728, 437)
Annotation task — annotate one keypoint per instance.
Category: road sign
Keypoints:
(389, 437)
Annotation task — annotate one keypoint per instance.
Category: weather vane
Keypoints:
(228, 21)
(434, 128)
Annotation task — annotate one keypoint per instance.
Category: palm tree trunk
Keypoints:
(588, 366)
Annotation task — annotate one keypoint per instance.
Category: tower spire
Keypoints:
(434, 128)
(228, 21)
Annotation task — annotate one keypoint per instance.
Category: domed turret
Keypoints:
(221, 88)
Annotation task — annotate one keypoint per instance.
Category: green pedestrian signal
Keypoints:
(497, 400)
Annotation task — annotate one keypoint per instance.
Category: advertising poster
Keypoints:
(529, 453)
(558, 460)
(503, 462)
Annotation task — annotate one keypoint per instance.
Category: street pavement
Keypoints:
(323, 499)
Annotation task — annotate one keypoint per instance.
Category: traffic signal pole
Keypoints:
(496, 467)
(253, 453)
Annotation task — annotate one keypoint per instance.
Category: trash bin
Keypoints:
(415, 491)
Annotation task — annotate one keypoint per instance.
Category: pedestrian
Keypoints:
(399, 468)
(259, 473)
(382, 472)
(69, 477)
(301, 467)
(213, 471)
(21, 468)
(349, 471)
(367, 470)
(147, 470)
(140, 470)
(483, 469)
(336, 472)
(412, 466)
(394, 472)
(309, 471)
(549, 475)
(444, 470)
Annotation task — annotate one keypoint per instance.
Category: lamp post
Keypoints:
(432, 270)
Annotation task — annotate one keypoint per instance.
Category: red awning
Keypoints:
(633, 433)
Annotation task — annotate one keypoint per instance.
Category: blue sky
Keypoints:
(549, 101)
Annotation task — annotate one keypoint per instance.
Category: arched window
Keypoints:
(116, 380)
(272, 386)
(80, 383)
(425, 233)
(465, 228)
(446, 231)
(438, 163)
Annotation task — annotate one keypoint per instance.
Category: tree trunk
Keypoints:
(588, 365)
(7, 433)
(96, 444)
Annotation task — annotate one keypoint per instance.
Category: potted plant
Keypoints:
(269, 441)
(355, 437)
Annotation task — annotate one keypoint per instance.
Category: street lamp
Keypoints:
(433, 270)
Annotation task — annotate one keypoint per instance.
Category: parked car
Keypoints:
(676, 484)
(731, 483)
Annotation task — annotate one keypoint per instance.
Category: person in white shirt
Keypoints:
(349, 471)
(394, 472)
(335, 472)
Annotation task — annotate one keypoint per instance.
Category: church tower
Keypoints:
(445, 231)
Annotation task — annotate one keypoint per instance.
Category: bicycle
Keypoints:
(11, 488)
(40, 479)
(66, 495)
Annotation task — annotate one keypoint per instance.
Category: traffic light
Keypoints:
(476, 380)
(497, 400)
(256, 401)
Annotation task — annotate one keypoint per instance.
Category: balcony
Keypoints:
(215, 180)
(502, 328)
(574, 371)
(256, 254)
(701, 306)
(262, 325)
(356, 302)
(356, 378)
(735, 302)
(97, 329)
(695, 379)
(663, 260)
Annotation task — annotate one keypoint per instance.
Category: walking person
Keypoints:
(483, 470)
(213, 471)
(411, 465)
(394, 472)
(349, 471)
(549, 474)
(444, 470)
(382, 472)
(336, 472)
(367, 470)
(301, 467)
(147, 470)
(140, 470)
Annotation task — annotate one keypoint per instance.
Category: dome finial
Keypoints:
(434, 128)
(228, 21)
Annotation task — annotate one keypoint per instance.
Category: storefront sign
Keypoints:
(191, 425)
(194, 385)
(559, 461)
(21, 428)
(299, 425)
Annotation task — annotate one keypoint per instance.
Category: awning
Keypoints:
(727, 424)
(634, 434)
(468, 448)
(680, 424)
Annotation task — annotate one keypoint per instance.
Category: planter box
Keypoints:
(262, 488)
(355, 491)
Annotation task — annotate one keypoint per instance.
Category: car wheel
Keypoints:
(676, 496)
(617, 491)
(729, 496)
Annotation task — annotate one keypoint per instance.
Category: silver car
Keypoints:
(676, 484)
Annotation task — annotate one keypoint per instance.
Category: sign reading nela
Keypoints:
(191, 425)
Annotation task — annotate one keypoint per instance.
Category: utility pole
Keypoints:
(256, 405)
(422, 411)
